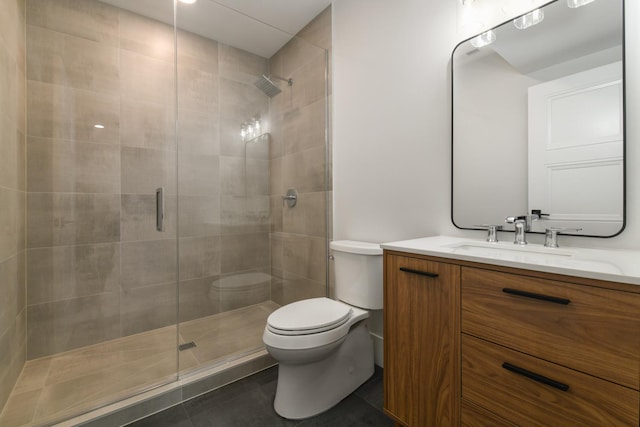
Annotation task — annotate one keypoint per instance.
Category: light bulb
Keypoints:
(573, 4)
(528, 20)
(243, 131)
(484, 39)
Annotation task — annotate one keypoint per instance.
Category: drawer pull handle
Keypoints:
(535, 377)
(541, 297)
(421, 273)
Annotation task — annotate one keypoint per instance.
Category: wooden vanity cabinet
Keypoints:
(550, 350)
(590, 329)
(482, 345)
(421, 341)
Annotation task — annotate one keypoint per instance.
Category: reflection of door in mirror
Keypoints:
(576, 150)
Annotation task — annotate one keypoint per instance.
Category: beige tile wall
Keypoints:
(97, 268)
(298, 239)
(12, 194)
(74, 175)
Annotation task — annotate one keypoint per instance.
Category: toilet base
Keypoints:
(305, 390)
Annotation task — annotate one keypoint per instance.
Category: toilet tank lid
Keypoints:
(350, 246)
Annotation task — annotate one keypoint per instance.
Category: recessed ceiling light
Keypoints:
(98, 126)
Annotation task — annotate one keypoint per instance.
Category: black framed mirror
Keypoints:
(538, 121)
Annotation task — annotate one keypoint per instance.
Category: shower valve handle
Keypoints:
(291, 198)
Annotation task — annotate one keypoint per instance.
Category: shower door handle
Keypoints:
(160, 209)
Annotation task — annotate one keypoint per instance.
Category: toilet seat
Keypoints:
(308, 317)
(331, 331)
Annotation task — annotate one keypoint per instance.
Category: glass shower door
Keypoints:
(102, 280)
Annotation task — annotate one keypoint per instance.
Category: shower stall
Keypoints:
(145, 234)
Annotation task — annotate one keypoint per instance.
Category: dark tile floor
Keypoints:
(249, 402)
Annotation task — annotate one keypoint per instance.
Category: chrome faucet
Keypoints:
(522, 224)
(521, 227)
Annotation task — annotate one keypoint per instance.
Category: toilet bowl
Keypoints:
(323, 346)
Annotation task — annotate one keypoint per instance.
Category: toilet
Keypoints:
(322, 345)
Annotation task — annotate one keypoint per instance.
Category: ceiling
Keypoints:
(564, 34)
(261, 27)
(565, 42)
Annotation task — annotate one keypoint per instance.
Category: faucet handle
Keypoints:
(492, 231)
(551, 235)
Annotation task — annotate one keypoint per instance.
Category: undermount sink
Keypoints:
(532, 254)
(502, 249)
(618, 265)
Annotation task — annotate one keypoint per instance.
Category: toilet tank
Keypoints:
(358, 273)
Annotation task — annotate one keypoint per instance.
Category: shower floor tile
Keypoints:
(70, 383)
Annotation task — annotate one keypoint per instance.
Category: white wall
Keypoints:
(391, 124)
(391, 153)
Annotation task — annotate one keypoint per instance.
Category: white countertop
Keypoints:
(611, 264)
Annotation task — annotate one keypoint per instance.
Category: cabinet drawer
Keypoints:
(475, 416)
(588, 401)
(589, 329)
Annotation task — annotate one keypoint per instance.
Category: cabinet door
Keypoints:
(421, 341)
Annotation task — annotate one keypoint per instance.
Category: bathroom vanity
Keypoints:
(497, 334)
(480, 334)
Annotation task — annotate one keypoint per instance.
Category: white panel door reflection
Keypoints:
(575, 151)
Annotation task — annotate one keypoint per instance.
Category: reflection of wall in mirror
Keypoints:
(490, 139)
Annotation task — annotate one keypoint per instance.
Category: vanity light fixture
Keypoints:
(528, 20)
(188, 1)
(573, 4)
(244, 131)
(251, 129)
(483, 39)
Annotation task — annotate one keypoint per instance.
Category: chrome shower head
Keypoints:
(267, 86)
(270, 89)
